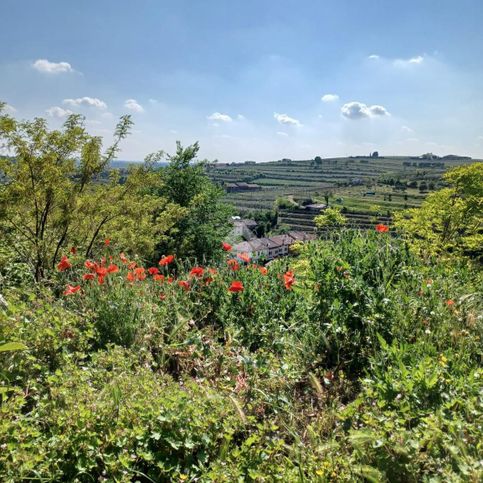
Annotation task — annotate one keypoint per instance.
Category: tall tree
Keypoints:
(206, 218)
(51, 195)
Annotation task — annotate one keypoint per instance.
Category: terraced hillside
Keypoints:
(373, 186)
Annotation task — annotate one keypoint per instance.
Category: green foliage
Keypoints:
(49, 199)
(204, 221)
(366, 368)
(449, 220)
(330, 218)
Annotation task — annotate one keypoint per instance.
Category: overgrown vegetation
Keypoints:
(355, 359)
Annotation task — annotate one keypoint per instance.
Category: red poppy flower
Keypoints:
(226, 246)
(233, 264)
(153, 270)
(90, 265)
(112, 268)
(88, 276)
(382, 228)
(213, 271)
(103, 261)
(71, 289)
(101, 271)
(100, 279)
(123, 258)
(289, 280)
(162, 296)
(166, 260)
(244, 256)
(132, 265)
(208, 280)
(158, 277)
(73, 250)
(64, 264)
(450, 302)
(184, 284)
(236, 286)
(170, 279)
(197, 272)
(263, 270)
(140, 273)
(107, 242)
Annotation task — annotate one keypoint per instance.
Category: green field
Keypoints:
(396, 183)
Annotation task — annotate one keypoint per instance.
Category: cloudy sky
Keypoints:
(253, 79)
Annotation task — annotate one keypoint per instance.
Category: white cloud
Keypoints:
(373, 57)
(285, 119)
(58, 112)
(357, 110)
(329, 98)
(281, 133)
(43, 65)
(218, 116)
(133, 105)
(407, 130)
(418, 60)
(86, 101)
(378, 111)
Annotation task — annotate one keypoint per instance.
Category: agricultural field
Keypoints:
(361, 186)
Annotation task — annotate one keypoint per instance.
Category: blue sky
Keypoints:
(253, 79)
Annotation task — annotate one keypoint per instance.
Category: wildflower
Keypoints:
(101, 271)
(107, 242)
(158, 278)
(90, 265)
(162, 296)
(166, 260)
(73, 250)
(226, 246)
(213, 271)
(112, 268)
(429, 282)
(450, 302)
(153, 270)
(208, 280)
(236, 286)
(233, 264)
(263, 270)
(123, 258)
(184, 284)
(71, 289)
(100, 279)
(197, 272)
(244, 256)
(131, 277)
(140, 273)
(382, 228)
(289, 279)
(64, 264)
(443, 360)
(132, 265)
(88, 276)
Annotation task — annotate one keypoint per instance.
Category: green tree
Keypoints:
(51, 196)
(330, 218)
(449, 220)
(205, 219)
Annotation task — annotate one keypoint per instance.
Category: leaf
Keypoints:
(371, 474)
(13, 346)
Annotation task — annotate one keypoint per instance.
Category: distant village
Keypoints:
(266, 248)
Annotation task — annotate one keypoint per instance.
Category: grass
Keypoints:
(367, 368)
